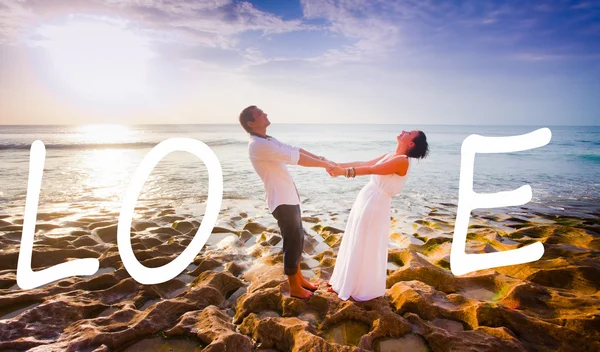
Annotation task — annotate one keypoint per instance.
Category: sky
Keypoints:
(302, 61)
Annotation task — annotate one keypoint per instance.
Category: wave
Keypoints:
(130, 145)
(588, 141)
(590, 157)
(83, 146)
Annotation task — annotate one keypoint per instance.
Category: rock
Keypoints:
(85, 241)
(213, 328)
(11, 228)
(332, 230)
(245, 236)
(223, 281)
(333, 240)
(7, 279)
(284, 334)
(169, 219)
(311, 219)
(167, 231)
(273, 239)
(183, 226)
(96, 225)
(205, 265)
(254, 227)
(218, 229)
(166, 212)
(235, 269)
(237, 298)
(439, 339)
(415, 267)
(108, 234)
(143, 225)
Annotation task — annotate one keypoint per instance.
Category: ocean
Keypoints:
(91, 166)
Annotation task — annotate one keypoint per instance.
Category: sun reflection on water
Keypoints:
(104, 134)
(109, 172)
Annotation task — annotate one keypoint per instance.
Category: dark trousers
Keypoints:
(289, 219)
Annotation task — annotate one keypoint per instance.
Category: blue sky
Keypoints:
(346, 61)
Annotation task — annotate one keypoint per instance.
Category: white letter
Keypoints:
(149, 276)
(460, 262)
(27, 278)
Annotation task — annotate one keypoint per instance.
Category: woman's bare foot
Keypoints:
(300, 292)
(330, 289)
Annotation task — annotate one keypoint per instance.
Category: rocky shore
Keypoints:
(234, 296)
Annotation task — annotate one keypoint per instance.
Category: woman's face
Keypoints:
(406, 138)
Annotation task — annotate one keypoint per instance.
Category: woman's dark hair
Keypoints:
(421, 149)
(246, 116)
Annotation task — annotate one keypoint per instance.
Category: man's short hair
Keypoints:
(246, 116)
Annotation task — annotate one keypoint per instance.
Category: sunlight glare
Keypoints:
(98, 60)
(109, 173)
(103, 133)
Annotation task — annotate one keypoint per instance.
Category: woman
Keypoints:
(361, 265)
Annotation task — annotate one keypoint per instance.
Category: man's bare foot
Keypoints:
(305, 283)
(308, 285)
(300, 292)
(296, 287)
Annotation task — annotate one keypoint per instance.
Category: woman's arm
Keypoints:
(362, 163)
(397, 165)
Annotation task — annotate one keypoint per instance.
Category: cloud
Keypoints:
(198, 35)
(13, 16)
(211, 23)
(356, 31)
(540, 56)
(373, 35)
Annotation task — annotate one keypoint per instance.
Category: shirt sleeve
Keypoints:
(287, 146)
(274, 151)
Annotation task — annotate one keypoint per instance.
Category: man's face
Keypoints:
(260, 119)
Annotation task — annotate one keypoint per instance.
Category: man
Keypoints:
(269, 158)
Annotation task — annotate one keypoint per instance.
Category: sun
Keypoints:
(98, 59)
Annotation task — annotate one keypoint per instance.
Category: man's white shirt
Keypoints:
(269, 158)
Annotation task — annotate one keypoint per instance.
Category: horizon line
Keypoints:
(295, 123)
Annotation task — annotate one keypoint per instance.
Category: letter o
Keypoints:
(139, 272)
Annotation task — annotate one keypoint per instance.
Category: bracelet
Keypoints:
(350, 172)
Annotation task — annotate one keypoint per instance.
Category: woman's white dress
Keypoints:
(361, 265)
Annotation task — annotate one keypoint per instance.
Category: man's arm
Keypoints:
(307, 153)
(264, 150)
(308, 161)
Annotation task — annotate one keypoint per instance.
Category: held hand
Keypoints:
(335, 171)
(327, 161)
